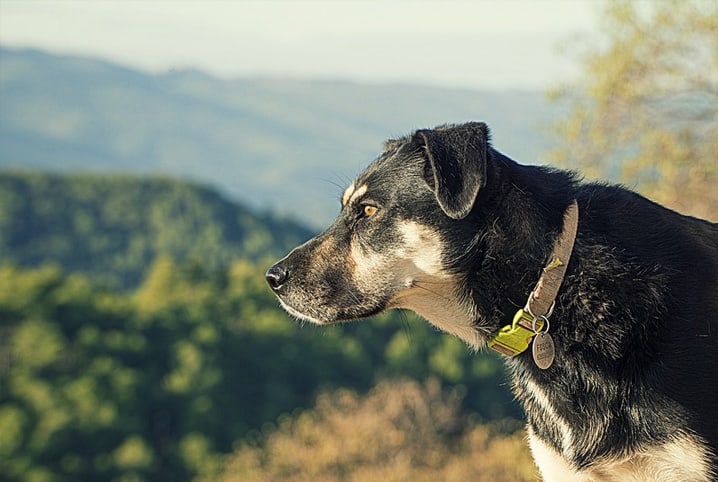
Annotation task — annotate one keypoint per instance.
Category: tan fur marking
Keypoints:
(353, 193)
(359, 192)
(441, 308)
(347, 194)
(427, 289)
(366, 265)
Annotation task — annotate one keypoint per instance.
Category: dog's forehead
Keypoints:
(393, 168)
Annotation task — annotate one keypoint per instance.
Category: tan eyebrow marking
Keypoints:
(359, 192)
(347, 194)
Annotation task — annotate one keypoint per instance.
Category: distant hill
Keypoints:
(285, 145)
(113, 228)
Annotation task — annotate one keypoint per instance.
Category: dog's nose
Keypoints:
(276, 276)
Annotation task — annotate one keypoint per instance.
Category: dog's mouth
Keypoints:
(327, 313)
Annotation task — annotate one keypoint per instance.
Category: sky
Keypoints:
(483, 44)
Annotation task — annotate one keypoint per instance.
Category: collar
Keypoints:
(530, 321)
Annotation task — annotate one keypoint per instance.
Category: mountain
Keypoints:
(113, 228)
(278, 144)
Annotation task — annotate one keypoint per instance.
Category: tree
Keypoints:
(400, 430)
(645, 111)
(159, 384)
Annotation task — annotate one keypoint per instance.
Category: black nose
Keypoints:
(276, 276)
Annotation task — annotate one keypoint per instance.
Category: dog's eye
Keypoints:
(363, 211)
(369, 210)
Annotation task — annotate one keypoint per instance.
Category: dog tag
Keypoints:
(543, 350)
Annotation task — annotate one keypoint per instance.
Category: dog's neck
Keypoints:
(441, 307)
(516, 337)
(444, 308)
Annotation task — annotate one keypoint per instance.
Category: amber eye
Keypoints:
(369, 210)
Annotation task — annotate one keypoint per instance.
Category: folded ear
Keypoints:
(457, 158)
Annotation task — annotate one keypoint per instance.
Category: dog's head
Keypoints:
(403, 223)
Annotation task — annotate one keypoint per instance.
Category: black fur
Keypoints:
(635, 323)
(457, 158)
(634, 326)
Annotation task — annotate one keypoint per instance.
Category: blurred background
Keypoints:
(157, 156)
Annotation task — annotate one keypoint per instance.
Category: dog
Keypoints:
(616, 296)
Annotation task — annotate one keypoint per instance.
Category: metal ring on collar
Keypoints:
(528, 310)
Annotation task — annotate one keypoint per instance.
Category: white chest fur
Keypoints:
(682, 459)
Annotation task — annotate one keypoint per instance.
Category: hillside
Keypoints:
(277, 144)
(112, 228)
(161, 383)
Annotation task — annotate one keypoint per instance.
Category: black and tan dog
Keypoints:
(610, 329)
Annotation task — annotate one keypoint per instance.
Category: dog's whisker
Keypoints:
(341, 183)
(405, 324)
(418, 284)
(355, 297)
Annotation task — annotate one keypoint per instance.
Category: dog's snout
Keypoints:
(276, 276)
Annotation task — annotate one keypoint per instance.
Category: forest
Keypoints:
(159, 380)
(112, 227)
(139, 342)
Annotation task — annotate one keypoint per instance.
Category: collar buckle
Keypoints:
(515, 338)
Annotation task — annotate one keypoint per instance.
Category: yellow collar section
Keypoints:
(528, 322)
(516, 337)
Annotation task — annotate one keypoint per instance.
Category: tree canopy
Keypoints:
(645, 110)
(160, 383)
(113, 227)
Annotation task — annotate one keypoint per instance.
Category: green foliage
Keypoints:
(159, 383)
(112, 228)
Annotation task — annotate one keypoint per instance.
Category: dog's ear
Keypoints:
(457, 161)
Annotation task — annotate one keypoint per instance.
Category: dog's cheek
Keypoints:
(363, 265)
(409, 251)
(370, 269)
(343, 274)
(423, 246)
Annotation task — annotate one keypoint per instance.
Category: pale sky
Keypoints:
(478, 44)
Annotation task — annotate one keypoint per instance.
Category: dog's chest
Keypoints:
(679, 459)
